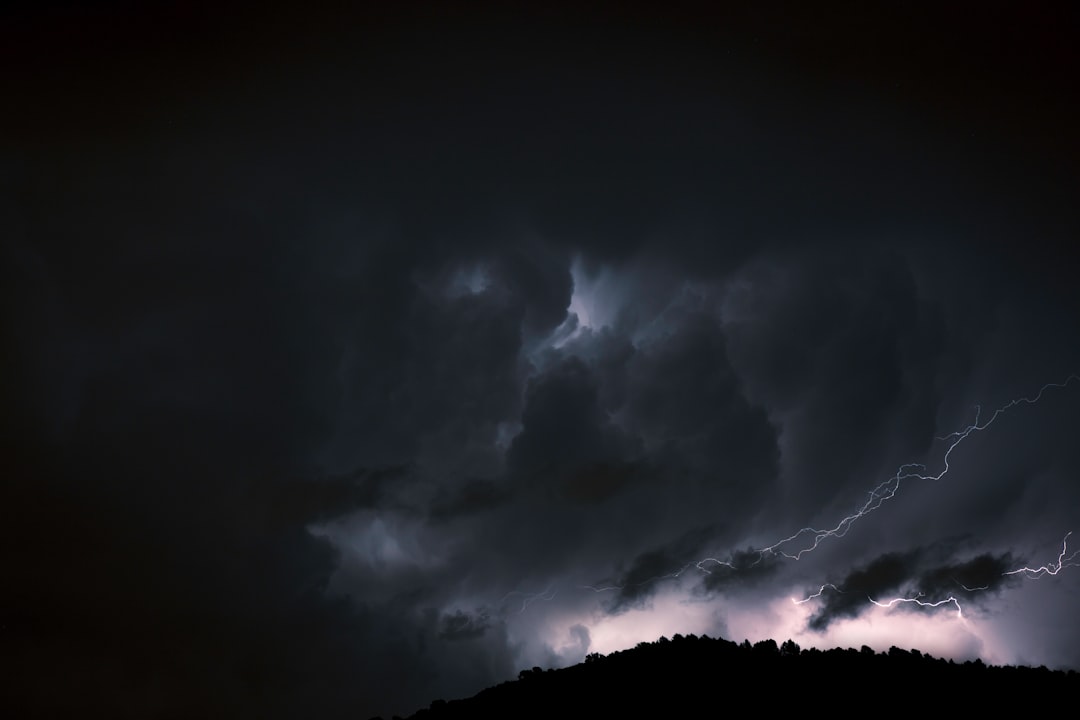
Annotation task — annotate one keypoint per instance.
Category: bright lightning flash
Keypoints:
(808, 598)
(911, 471)
(1051, 568)
(886, 490)
(917, 601)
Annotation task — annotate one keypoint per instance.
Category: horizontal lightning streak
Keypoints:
(699, 564)
(1064, 560)
(657, 578)
(917, 601)
(1051, 568)
(974, 589)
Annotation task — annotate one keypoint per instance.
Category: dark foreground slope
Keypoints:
(686, 676)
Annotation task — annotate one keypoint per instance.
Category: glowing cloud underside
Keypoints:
(793, 547)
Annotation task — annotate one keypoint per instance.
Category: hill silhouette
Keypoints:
(688, 676)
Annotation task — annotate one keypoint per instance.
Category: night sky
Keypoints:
(355, 358)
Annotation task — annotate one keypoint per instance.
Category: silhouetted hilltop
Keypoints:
(684, 676)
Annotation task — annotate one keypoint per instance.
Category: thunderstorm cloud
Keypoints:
(359, 358)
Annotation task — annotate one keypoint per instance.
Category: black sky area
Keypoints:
(357, 355)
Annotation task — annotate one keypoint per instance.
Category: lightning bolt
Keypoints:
(1064, 560)
(912, 471)
(808, 598)
(1051, 568)
(951, 599)
(529, 598)
(666, 576)
(974, 589)
(700, 564)
(891, 603)
(875, 498)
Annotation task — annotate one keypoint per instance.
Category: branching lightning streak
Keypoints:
(1064, 560)
(666, 576)
(1051, 568)
(917, 599)
(529, 598)
(609, 588)
(951, 599)
(888, 489)
(700, 564)
(876, 497)
(885, 491)
(808, 598)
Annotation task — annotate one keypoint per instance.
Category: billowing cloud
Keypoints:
(884, 575)
(378, 367)
(915, 575)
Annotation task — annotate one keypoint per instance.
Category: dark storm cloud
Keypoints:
(746, 569)
(843, 347)
(643, 578)
(311, 500)
(688, 404)
(604, 451)
(447, 367)
(884, 575)
(567, 443)
(473, 496)
(462, 625)
(984, 573)
(918, 573)
(293, 393)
